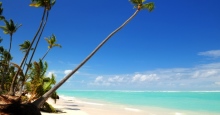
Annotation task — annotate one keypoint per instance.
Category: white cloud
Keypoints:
(116, 79)
(67, 72)
(211, 53)
(99, 79)
(198, 77)
(142, 77)
(206, 73)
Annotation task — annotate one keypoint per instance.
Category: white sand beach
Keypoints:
(72, 106)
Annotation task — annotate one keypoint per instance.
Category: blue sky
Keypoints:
(175, 47)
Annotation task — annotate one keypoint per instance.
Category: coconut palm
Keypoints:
(1, 11)
(46, 4)
(52, 43)
(24, 48)
(10, 28)
(139, 5)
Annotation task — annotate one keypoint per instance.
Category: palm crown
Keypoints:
(51, 41)
(9, 27)
(140, 4)
(43, 3)
(24, 47)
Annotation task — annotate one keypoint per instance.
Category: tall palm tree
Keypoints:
(1, 11)
(24, 48)
(10, 28)
(46, 4)
(139, 5)
(52, 43)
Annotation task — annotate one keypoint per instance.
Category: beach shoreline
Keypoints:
(73, 106)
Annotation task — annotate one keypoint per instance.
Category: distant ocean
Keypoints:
(201, 101)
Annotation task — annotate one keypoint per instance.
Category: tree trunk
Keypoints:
(9, 50)
(11, 92)
(37, 42)
(39, 102)
(45, 54)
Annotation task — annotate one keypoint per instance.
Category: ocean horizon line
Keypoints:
(144, 90)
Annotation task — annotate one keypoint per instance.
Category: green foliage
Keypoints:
(34, 82)
(43, 3)
(48, 108)
(39, 83)
(24, 47)
(140, 4)
(10, 27)
(1, 11)
(52, 42)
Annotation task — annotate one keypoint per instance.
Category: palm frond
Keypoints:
(149, 6)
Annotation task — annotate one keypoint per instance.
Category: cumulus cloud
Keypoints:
(206, 73)
(201, 76)
(116, 79)
(99, 79)
(143, 77)
(211, 53)
(67, 72)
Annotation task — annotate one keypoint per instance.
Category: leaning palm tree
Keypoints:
(52, 43)
(46, 4)
(139, 5)
(10, 28)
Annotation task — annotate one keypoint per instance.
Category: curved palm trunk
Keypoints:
(34, 52)
(22, 82)
(39, 102)
(11, 92)
(45, 54)
(37, 42)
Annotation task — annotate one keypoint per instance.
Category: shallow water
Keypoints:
(197, 101)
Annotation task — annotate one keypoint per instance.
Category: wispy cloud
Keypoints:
(199, 77)
(211, 53)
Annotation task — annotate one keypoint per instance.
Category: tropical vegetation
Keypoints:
(28, 77)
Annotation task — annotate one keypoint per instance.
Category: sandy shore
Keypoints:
(72, 106)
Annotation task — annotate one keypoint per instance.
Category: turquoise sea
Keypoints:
(201, 101)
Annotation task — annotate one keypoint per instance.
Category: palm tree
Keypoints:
(10, 28)
(4, 67)
(52, 43)
(1, 11)
(47, 4)
(139, 5)
(24, 47)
